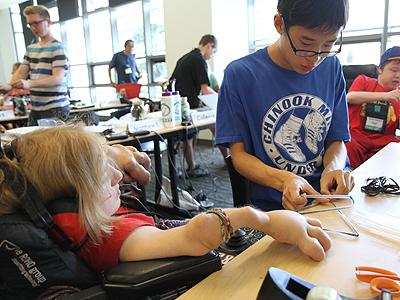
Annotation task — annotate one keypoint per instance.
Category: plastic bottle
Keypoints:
(177, 108)
(167, 109)
(185, 109)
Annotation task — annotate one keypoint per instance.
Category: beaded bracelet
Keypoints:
(224, 219)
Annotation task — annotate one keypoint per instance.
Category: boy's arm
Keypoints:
(357, 97)
(205, 89)
(55, 79)
(334, 180)
(291, 185)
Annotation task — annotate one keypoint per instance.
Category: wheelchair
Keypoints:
(33, 266)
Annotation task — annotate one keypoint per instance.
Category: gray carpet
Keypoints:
(216, 186)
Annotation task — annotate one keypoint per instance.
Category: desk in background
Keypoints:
(169, 134)
(21, 120)
(242, 277)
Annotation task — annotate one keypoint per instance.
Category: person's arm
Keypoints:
(138, 71)
(334, 180)
(132, 163)
(55, 79)
(20, 74)
(203, 234)
(205, 89)
(358, 97)
(291, 185)
(109, 76)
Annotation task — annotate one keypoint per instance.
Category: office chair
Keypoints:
(240, 185)
(350, 73)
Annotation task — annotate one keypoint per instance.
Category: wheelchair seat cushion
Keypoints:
(31, 262)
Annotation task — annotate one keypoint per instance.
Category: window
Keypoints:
(262, 31)
(98, 33)
(362, 37)
(100, 36)
(129, 19)
(75, 41)
(18, 32)
(157, 27)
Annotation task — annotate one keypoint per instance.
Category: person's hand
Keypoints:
(4, 89)
(337, 182)
(294, 186)
(132, 163)
(21, 84)
(304, 232)
(393, 95)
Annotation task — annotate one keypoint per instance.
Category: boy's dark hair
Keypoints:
(326, 15)
(383, 65)
(207, 39)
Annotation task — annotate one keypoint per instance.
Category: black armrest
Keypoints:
(135, 280)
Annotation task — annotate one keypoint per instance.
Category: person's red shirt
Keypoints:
(357, 111)
(102, 256)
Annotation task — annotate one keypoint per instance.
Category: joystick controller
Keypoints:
(239, 241)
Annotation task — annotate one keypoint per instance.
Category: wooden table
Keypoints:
(242, 277)
(169, 134)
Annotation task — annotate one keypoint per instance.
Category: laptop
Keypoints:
(210, 100)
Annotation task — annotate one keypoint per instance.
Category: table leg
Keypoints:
(158, 167)
(172, 174)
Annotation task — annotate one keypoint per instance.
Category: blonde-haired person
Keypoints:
(47, 63)
(70, 161)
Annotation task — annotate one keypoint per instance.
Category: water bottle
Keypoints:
(177, 108)
(185, 109)
(167, 109)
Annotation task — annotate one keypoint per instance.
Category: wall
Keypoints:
(185, 22)
(7, 47)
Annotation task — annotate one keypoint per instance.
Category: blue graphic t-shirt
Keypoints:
(283, 117)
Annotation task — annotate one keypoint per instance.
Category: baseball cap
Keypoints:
(390, 54)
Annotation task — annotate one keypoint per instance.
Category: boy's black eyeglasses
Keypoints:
(34, 24)
(309, 53)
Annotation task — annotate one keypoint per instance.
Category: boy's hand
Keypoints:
(337, 182)
(393, 95)
(295, 186)
(21, 84)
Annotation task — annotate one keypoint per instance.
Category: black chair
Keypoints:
(240, 185)
(350, 73)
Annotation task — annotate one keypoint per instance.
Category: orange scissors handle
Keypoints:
(379, 283)
(378, 272)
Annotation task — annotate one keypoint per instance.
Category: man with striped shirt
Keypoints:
(47, 63)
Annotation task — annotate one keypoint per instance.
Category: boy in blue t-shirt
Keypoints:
(282, 110)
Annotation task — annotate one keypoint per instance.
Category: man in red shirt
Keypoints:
(374, 109)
